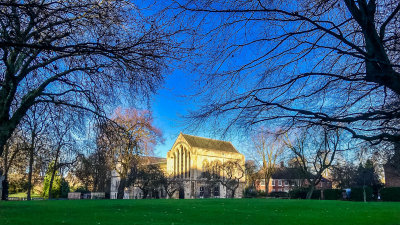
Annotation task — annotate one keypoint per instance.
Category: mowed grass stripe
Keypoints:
(197, 211)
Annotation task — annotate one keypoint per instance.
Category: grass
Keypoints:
(23, 195)
(198, 211)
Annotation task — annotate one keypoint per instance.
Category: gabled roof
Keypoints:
(207, 143)
(291, 173)
(288, 173)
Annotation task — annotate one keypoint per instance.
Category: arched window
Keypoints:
(205, 168)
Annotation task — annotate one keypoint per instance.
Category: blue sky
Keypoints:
(169, 106)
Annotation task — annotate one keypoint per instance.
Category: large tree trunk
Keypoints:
(4, 194)
(121, 188)
(5, 134)
(310, 191)
(28, 196)
(266, 180)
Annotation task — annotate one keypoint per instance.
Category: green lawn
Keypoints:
(199, 211)
(23, 195)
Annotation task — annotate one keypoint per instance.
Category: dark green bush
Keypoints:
(261, 194)
(81, 189)
(390, 194)
(298, 193)
(250, 192)
(332, 194)
(357, 194)
(64, 189)
(316, 194)
(302, 193)
(278, 194)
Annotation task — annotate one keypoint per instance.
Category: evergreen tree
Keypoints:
(55, 192)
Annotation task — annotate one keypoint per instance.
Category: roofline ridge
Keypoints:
(206, 138)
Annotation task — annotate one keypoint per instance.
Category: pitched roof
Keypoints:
(207, 143)
(288, 173)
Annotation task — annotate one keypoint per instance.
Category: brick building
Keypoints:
(285, 179)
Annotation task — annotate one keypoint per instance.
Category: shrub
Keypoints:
(81, 189)
(302, 193)
(278, 194)
(357, 194)
(250, 192)
(298, 193)
(316, 194)
(390, 194)
(261, 194)
(64, 189)
(332, 194)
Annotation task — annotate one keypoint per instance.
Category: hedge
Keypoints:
(261, 194)
(250, 192)
(278, 194)
(357, 194)
(390, 194)
(332, 194)
(302, 193)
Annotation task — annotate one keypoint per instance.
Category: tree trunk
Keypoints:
(310, 192)
(28, 195)
(51, 181)
(121, 188)
(266, 180)
(5, 134)
(4, 194)
(233, 193)
(4, 183)
(364, 194)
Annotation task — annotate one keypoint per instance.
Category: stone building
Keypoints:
(188, 160)
(135, 192)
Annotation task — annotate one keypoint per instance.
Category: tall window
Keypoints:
(216, 191)
(201, 191)
(272, 182)
(280, 182)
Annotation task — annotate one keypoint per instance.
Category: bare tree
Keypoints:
(12, 155)
(171, 184)
(129, 136)
(251, 174)
(268, 148)
(149, 178)
(34, 127)
(328, 63)
(80, 54)
(315, 155)
(229, 174)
